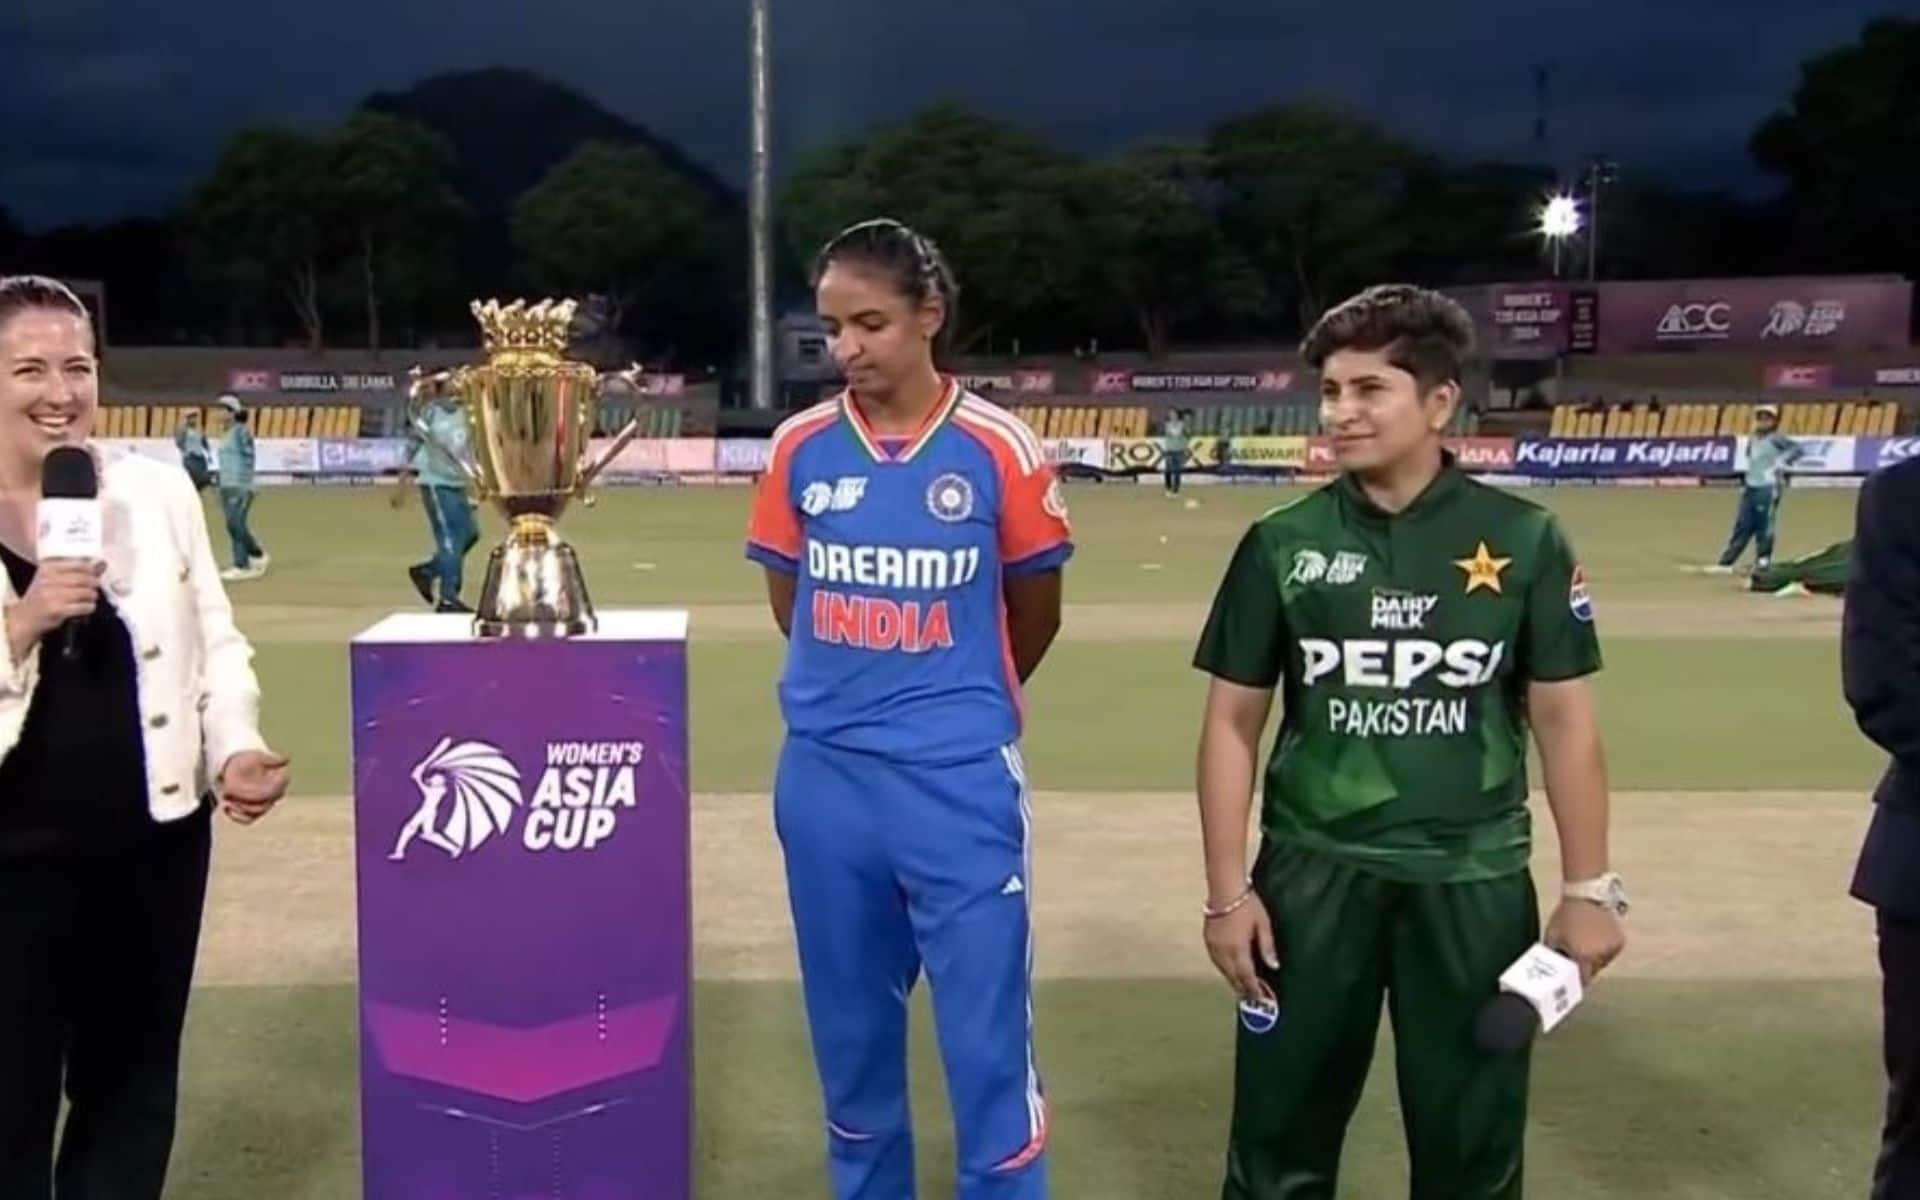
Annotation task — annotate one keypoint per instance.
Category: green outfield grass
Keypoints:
(1109, 714)
(1739, 1089)
(1743, 1090)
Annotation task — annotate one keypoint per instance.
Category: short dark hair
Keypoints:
(25, 293)
(912, 262)
(1424, 333)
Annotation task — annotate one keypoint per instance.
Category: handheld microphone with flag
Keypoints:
(1536, 994)
(68, 518)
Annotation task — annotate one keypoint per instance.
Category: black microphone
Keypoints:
(1536, 994)
(68, 518)
(1505, 1024)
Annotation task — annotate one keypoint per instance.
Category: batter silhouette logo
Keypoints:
(471, 790)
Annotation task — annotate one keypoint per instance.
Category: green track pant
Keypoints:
(1435, 951)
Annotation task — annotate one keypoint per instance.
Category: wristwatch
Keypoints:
(1605, 890)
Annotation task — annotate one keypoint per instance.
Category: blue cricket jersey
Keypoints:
(899, 644)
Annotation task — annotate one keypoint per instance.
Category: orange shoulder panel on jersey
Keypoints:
(1033, 514)
(773, 524)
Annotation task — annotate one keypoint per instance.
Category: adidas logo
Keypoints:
(1013, 886)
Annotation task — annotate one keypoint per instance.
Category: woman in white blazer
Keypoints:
(111, 760)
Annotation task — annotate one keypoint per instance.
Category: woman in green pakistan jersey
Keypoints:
(1417, 624)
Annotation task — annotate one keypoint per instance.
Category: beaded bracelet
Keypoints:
(1212, 913)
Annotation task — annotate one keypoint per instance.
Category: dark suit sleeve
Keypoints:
(1880, 636)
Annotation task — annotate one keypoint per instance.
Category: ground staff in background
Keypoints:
(1173, 450)
(236, 493)
(1769, 453)
(1416, 623)
(195, 456)
(443, 496)
(112, 755)
(1880, 660)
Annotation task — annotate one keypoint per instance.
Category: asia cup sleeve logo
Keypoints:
(468, 793)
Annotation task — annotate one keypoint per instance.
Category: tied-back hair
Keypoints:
(25, 293)
(914, 265)
(1424, 333)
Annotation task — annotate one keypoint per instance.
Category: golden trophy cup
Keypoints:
(530, 414)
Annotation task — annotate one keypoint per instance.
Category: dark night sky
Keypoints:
(113, 107)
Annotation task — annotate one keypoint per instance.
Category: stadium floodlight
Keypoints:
(1560, 217)
(1559, 220)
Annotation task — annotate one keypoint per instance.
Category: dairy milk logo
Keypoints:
(471, 791)
(1402, 612)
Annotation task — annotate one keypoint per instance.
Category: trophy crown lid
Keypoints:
(541, 328)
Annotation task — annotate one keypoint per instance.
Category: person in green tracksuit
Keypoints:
(1416, 624)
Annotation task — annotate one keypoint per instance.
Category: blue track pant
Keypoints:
(892, 867)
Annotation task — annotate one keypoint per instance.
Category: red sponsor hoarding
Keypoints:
(1799, 376)
(1530, 320)
(1266, 380)
(1755, 314)
(1480, 454)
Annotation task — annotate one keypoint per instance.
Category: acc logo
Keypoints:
(950, 498)
(1579, 601)
(839, 496)
(1697, 321)
(1259, 1016)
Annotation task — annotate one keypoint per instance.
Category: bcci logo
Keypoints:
(470, 791)
(950, 498)
(483, 786)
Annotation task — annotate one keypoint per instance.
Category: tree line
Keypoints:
(361, 234)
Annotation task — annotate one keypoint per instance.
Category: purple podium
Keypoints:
(521, 837)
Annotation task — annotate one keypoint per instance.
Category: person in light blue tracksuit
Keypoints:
(443, 494)
(1769, 453)
(236, 457)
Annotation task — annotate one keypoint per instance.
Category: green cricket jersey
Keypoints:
(1403, 644)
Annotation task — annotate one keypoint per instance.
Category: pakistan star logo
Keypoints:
(485, 789)
(1483, 570)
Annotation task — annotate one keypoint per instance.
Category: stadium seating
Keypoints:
(275, 421)
(1833, 418)
(1237, 420)
(655, 422)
